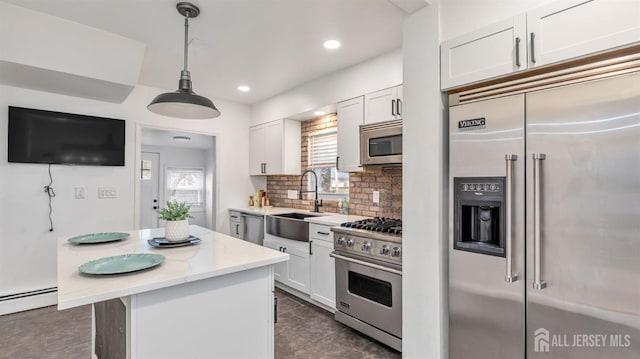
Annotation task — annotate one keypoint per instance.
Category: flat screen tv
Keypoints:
(37, 136)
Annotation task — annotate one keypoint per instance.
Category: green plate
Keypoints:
(98, 238)
(122, 264)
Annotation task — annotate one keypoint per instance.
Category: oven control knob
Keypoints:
(366, 246)
(385, 250)
(340, 241)
(396, 252)
(350, 243)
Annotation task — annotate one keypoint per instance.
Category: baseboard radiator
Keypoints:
(19, 302)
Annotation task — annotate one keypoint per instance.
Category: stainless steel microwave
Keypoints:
(381, 143)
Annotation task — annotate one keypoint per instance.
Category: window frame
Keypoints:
(194, 207)
(330, 165)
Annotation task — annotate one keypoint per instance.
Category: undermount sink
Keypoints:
(290, 225)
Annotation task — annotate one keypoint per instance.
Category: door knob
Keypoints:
(155, 207)
(155, 201)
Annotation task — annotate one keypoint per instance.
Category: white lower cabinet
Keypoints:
(323, 278)
(310, 269)
(295, 272)
(323, 281)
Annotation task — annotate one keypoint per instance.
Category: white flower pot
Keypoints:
(177, 230)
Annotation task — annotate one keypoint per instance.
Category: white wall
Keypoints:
(458, 17)
(27, 249)
(369, 76)
(424, 268)
(181, 157)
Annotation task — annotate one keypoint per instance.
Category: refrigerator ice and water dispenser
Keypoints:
(479, 215)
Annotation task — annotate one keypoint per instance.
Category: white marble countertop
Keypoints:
(265, 211)
(324, 218)
(216, 255)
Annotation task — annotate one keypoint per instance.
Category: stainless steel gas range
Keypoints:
(368, 256)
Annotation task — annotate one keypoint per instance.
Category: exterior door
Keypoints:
(149, 190)
(486, 313)
(589, 220)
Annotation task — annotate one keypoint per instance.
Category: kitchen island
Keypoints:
(206, 300)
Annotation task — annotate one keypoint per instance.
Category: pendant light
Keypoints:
(184, 103)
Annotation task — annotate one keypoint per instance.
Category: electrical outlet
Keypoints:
(79, 192)
(292, 194)
(106, 192)
(376, 196)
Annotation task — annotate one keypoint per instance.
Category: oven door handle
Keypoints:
(366, 264)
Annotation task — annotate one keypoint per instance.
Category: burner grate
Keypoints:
(377, 224)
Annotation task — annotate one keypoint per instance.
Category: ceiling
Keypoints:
(153, 137)
(269, 45)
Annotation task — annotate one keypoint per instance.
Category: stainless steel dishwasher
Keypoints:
(247, 227)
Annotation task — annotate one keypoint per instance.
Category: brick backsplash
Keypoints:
(361, 184)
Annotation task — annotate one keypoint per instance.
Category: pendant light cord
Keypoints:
(186, 41)
(48, 189)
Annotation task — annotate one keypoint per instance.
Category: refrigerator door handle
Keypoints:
(510, 277)
(538, 283)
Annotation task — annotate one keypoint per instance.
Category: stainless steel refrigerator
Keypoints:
(544, 245)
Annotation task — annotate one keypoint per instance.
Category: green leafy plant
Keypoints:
(175, 211)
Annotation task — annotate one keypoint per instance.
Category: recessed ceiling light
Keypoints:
(181, 138)
(332, 44)
(244, 88)
(319, 113)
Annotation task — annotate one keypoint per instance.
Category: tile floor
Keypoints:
(303, 331)
(46, 333)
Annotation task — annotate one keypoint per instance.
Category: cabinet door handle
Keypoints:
(393, 107)
(310, 250)
(280, 249)
(237, 229)
(533, 48)
(337, 163)
(275, 309)
(323, 233)
(517, 52)
(284, 249)
(398, 107)
(265, 168)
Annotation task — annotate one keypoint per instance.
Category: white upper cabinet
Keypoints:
(383, 105)
(492, 51)
(554, 32)
(275, 148)
(567, 29)
(350, 117)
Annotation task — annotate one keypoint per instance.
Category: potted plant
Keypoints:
(177, 226)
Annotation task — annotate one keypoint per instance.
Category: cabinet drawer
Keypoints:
(320, 232)
(234, 216)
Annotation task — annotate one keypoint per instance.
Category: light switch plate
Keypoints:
(292, 194)
(107, 192)
(79, 193)
(376, 196)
